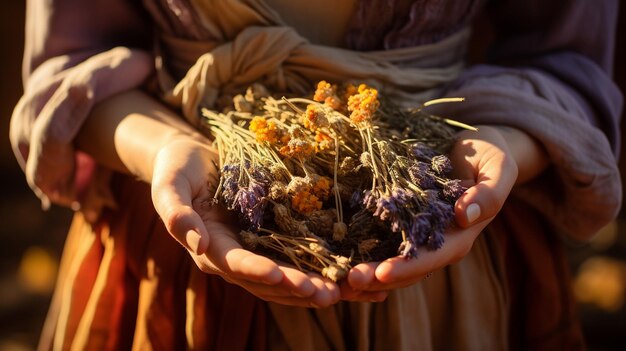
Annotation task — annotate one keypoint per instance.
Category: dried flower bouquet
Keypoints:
(342, 178)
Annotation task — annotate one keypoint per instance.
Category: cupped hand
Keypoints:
(485, 163)
(181, 173)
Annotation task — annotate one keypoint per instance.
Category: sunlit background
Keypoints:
(31, 240)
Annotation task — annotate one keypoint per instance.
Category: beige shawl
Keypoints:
(255, 46)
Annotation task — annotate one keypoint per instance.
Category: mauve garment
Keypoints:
(548, 73)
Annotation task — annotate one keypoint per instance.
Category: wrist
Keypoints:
(527, 152)
(180, 148)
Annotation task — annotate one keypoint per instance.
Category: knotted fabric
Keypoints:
(258, 49)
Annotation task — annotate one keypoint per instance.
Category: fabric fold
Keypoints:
(285, 62)
(49, 115)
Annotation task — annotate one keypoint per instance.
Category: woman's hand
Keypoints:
(490, 162)
(182, 171)
(135, 134)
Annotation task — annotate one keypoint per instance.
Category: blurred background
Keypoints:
(31, 240)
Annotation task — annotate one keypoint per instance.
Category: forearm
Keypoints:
(126, 131)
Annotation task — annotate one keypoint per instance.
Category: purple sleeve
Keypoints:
(77, 53)
(549, 74)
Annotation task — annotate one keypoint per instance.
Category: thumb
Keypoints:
(496, 173)
(173, 202)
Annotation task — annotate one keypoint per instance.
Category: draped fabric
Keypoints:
(126, 284)
(253, 48)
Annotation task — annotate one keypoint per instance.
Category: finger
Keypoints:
(326, 294)
(245, 265)
(312, 291)
(231, 259)
(349, 294)
(361, 275)
(267, 292)
(297, 282)
(172, 201)
(494, 181)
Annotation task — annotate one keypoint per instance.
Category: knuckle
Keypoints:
(491, 203)
(175, 218)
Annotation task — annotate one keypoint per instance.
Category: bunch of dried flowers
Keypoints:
(342, 178)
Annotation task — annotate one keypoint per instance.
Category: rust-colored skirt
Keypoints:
(125, 283)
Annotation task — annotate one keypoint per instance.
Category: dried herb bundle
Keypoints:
(342, 178)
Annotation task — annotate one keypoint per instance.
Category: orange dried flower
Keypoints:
(334, 102)
(324, 141)
(314, 118)
(327, 94)
(321, 187)
(264, 130)
(364, 104)
(298, 148)
(323, 91)
(305, 202)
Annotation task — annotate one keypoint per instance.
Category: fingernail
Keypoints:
(193, 240)
(472, 212)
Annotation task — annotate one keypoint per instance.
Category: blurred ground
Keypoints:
(32, 239)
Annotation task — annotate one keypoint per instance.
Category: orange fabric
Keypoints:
(126, 284)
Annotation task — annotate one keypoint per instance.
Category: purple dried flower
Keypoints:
(229, 191)
(420, 174)
(370, 198)
(452, 190)
(418, 234)
(430, 196)
(421, 151)
(441, 164)
(230, 184)
(435, 240)
(251, 202)
(407, 249)
(386, 208)
(442, 214)
(401, 196)
(398, 225)
(393, 208)
(230, 168)
(420, 227)
(261, 175)
(248, 197)
(255, 215)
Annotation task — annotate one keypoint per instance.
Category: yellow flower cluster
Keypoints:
(324, 141)
(264, 130)
(309, 193)
(314, 118)
(363, 105)
(327, 94)
(305, 202)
